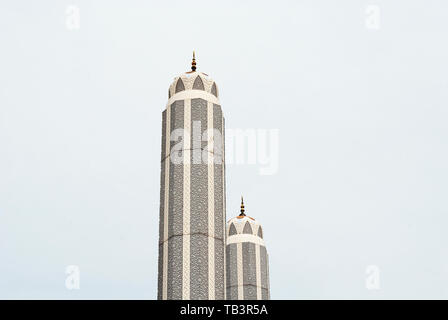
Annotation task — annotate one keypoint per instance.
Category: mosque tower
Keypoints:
(192, 191)
(247, 265)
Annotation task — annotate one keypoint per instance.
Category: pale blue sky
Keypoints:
(362, 117)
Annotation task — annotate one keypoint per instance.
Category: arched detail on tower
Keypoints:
(260, 232)
(198, 84)
(232, 230)
(180, 85)
(169, 93)
(214, 90)
(247, 228)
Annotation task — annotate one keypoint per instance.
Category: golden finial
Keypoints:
(242, 207)
(193, 63)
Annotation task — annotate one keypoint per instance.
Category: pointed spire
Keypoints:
(193, 63)
(242, 207)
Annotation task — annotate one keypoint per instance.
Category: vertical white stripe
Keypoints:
(267, 275)
(224, 235)
(211, 205)
(258, 270)
(239, 268)
(186, 202)
(165, 213)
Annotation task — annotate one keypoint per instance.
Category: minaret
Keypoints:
(247, 265)
(192, 191)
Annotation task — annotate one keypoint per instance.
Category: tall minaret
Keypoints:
(192, 191)
(247, 259)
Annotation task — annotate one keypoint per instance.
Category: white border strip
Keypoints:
(224, 235)
(193, 94)
(186, 203)
(166, 204)
(211, 204)
(244, 237)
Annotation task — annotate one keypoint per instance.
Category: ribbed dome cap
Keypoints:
(193, 80)
(243, 224)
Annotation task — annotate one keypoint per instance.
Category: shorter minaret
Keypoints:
(247, 272)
